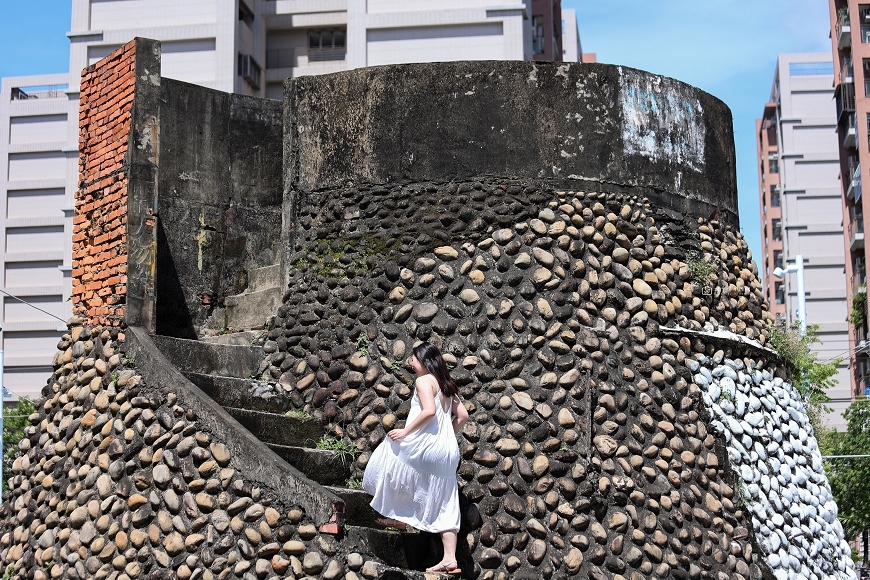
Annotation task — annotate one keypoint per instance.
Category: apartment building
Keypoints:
(799, 194)
(850, 45)
(241, 46)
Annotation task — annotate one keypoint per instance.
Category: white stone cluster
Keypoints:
(781, 481)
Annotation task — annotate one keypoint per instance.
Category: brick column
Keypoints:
(99, 275)
(113, 208)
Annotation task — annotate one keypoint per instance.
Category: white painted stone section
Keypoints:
(772, 449)
(661, 119)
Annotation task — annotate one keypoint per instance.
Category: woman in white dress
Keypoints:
(412, 474)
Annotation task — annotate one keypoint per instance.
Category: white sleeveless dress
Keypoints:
(414, 480)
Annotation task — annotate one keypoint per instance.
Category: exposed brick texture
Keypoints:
(99, 275)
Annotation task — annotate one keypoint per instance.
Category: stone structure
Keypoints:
(579, 263)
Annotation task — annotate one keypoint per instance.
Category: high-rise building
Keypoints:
(242, 46)
(850, 39)
(799, 193)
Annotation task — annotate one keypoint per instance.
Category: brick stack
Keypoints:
(99, 275)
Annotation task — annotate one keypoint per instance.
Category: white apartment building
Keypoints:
(242, 46)
(801, 211)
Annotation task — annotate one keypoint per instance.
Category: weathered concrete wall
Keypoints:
(220, 199)
(459, 120)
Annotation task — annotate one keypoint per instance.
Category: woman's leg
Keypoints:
(448, 539)
(448, 562)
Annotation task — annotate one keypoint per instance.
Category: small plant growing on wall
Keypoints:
(343, 452)
(362, 344)
(858, 313)
(699, 269)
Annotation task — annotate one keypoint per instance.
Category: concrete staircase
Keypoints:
(260, 300)
(262, 409)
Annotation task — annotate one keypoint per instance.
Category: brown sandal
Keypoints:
(391, 523)
(450, 568)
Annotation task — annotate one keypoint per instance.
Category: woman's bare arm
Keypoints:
(425, 387)
(460, 414)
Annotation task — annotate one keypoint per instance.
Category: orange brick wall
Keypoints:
(99, 275)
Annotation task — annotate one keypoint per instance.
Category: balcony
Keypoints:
(850, 137)
(862, 370)
(844, 31)
(859, 277)
(845, 100)
(853, 190)
(847, 71)
(856, 233)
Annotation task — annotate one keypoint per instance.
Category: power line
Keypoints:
(33, 306)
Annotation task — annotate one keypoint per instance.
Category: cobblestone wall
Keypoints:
(117, 480)
(568, 318)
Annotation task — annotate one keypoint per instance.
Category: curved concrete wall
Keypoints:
(450, 121)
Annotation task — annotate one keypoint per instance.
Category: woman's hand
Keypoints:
(397, 434)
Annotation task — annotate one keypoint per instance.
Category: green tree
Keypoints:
(14, 422)
(810, 377)
(848, 476)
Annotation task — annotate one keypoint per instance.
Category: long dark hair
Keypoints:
(430, 357)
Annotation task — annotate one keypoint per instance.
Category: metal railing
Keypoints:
(856, 226)
(859, 277)
(49, 92)
(845, 97)
(847, 70)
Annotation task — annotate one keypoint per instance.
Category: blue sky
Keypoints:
(33, 37)
(728, 48)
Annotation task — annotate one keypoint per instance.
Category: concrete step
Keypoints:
(384, 572)
(242, 393)
(241, 338)
(250, 310)
(357, 510)
(264, 278)
(324, 467)
(279, 429)
(195, 356)
(403, 551)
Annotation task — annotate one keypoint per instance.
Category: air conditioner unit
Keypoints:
(249, 70)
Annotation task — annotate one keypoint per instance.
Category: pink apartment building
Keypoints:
(850, 43)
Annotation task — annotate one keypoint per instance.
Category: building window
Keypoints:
(773, 165)
(777, 258)
(777, 230)
(538, 35)
(246, 15)
(775, 200)
(797, 69)
(779, 292)
(324, 45)
(326, 39)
